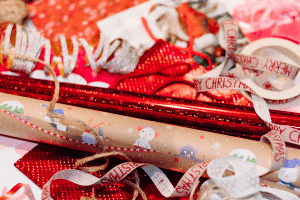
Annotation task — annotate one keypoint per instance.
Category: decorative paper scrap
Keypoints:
(64, 158)
(245, 182)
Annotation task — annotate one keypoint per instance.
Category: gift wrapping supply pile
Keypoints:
(245, 181)
(276, 137)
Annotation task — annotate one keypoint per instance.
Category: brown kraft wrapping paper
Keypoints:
(166, 146)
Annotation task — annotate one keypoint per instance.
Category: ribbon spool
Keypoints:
(279, 49)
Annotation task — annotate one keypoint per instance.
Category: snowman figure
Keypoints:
(288, 174)
(89, 138)
(55, 122)
(146, 135)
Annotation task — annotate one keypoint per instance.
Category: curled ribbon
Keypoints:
(27, 45)
(243, 184)
(212, 81)
(30, 44)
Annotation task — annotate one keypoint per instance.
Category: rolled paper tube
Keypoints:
(226, 119)
(27, 118)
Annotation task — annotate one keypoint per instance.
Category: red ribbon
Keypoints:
(12, 191)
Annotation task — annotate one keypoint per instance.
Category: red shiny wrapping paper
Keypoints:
(45, 160)
(226, 119)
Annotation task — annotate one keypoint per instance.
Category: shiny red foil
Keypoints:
(42, 162)
(233, 120)
(166, 70)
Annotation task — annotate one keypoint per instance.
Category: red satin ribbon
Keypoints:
(12, 191)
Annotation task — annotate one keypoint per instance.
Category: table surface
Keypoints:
(12, 150)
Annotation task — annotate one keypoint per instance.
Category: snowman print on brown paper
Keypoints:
(146, 135)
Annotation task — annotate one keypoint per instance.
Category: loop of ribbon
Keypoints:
(27, 45)
(213, 80)
(244, 182)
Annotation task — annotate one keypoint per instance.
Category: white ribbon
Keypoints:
(124, 60)
(244, 182)
(253, 66)
(68, 65)
(28, 45)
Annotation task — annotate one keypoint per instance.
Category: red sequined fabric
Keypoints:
(42, 162)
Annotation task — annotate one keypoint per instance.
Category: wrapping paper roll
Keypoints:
(226, 119)
(167, 146)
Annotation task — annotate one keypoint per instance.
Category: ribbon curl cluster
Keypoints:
(116, 57)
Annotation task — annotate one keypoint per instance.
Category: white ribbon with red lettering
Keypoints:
(244, 182)
(252, 68)
(121, 171)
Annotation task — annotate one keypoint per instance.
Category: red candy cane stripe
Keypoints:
(76, 141)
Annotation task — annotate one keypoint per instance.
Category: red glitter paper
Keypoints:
(164, 70)
(42, 162)
(216, 117)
